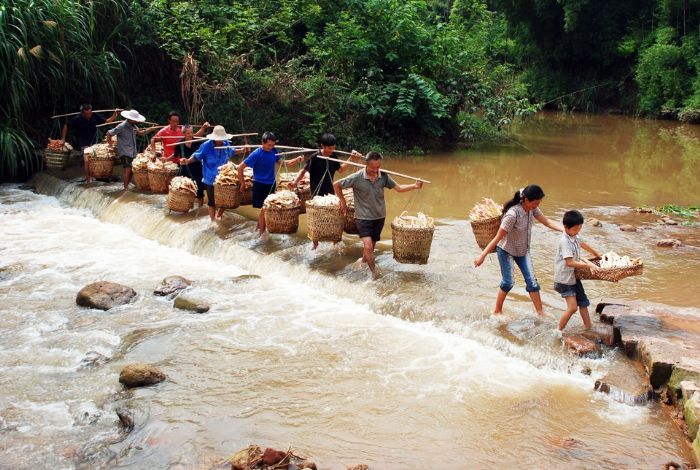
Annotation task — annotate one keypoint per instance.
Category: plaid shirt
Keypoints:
(518, 225)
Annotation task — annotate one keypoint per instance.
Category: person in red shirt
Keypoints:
(172, 134)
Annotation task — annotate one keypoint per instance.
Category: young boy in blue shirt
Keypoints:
(567, 260)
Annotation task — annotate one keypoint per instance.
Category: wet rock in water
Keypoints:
(689, 388)
(586, 370)
(580, 345)
(245, 277)
(139, 375)
(669, 243)
(628, 228)
(358, 467)
(602, 334)
(247, 458)
(191, 302)
(126, 418)
(595, 222)
(275, 457)
(644, 210)
(93, 359)
(27, 187)
(87, 414)
(672, 466)
(601, 387)
(104, 295)
(691, 413)
(172, 285)
(308, 465)
(667, 221)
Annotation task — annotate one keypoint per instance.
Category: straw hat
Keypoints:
(133, 115)
(219, 134)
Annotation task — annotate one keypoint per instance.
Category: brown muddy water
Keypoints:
(406, 372)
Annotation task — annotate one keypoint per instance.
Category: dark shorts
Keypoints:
(210, 194)
(260, 192)
(126, 161)
(571, 290)
(370, 228)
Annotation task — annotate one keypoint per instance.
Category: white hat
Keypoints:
(133, 115)
(219, 134)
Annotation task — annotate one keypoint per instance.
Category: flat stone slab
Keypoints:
(664, 338)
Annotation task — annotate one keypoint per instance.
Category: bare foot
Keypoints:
(359, 264)
(376, 274)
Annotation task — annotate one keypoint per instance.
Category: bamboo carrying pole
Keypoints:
(119, 122)
(258, 146)
(94, 111)
(381, 169)
(228, 146)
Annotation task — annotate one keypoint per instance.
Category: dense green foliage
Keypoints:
(391, 73)
(639, 56)
(380, 73)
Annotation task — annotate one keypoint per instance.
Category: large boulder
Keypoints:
(104, 295)
(274, 457)
(172, 285)
(139, 375)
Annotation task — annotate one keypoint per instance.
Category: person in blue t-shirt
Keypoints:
(262, 161)
(212, 158)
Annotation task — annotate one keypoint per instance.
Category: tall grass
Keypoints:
(54, 54)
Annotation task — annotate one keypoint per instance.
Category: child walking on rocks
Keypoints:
(567, 260)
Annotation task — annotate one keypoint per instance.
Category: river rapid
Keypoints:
(409, 371)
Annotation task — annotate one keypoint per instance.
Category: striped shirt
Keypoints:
(518, 224)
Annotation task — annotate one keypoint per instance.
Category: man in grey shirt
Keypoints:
(370, 209)
(126, 133)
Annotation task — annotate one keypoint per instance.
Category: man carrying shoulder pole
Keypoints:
(370, 209)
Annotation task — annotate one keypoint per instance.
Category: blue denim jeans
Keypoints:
(573, 290)
(505, 260)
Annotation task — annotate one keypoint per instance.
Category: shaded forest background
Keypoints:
(389, 74)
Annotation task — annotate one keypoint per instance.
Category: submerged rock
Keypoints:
(172, 285)
(669, 243)
(191, 302)
(580, 345)
(595, 222)
(126, 418)
(358, 467)
(104, 295)
(628, 228)
(139, 375)
(93, 359)
(245, 277)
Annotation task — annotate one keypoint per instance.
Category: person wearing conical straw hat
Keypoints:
(126, 142)
(262, 160)
(212, 158)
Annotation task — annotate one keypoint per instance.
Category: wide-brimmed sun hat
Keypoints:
(133, 115)
(219, 134)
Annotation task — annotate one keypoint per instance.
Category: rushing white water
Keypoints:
(401, 373)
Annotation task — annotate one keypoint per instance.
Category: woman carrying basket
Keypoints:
(512, 243)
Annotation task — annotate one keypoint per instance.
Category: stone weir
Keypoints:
(666, 341)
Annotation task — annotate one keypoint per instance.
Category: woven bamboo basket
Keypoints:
(609, 274)
(100, 168)
(227, 196)
(159, 180)
(411, 245)
(350, 222)
(282, 219)
(56, 160)
(485, 230)
(247, 196)
(141, 180)
(325, 223)
(180, 201)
